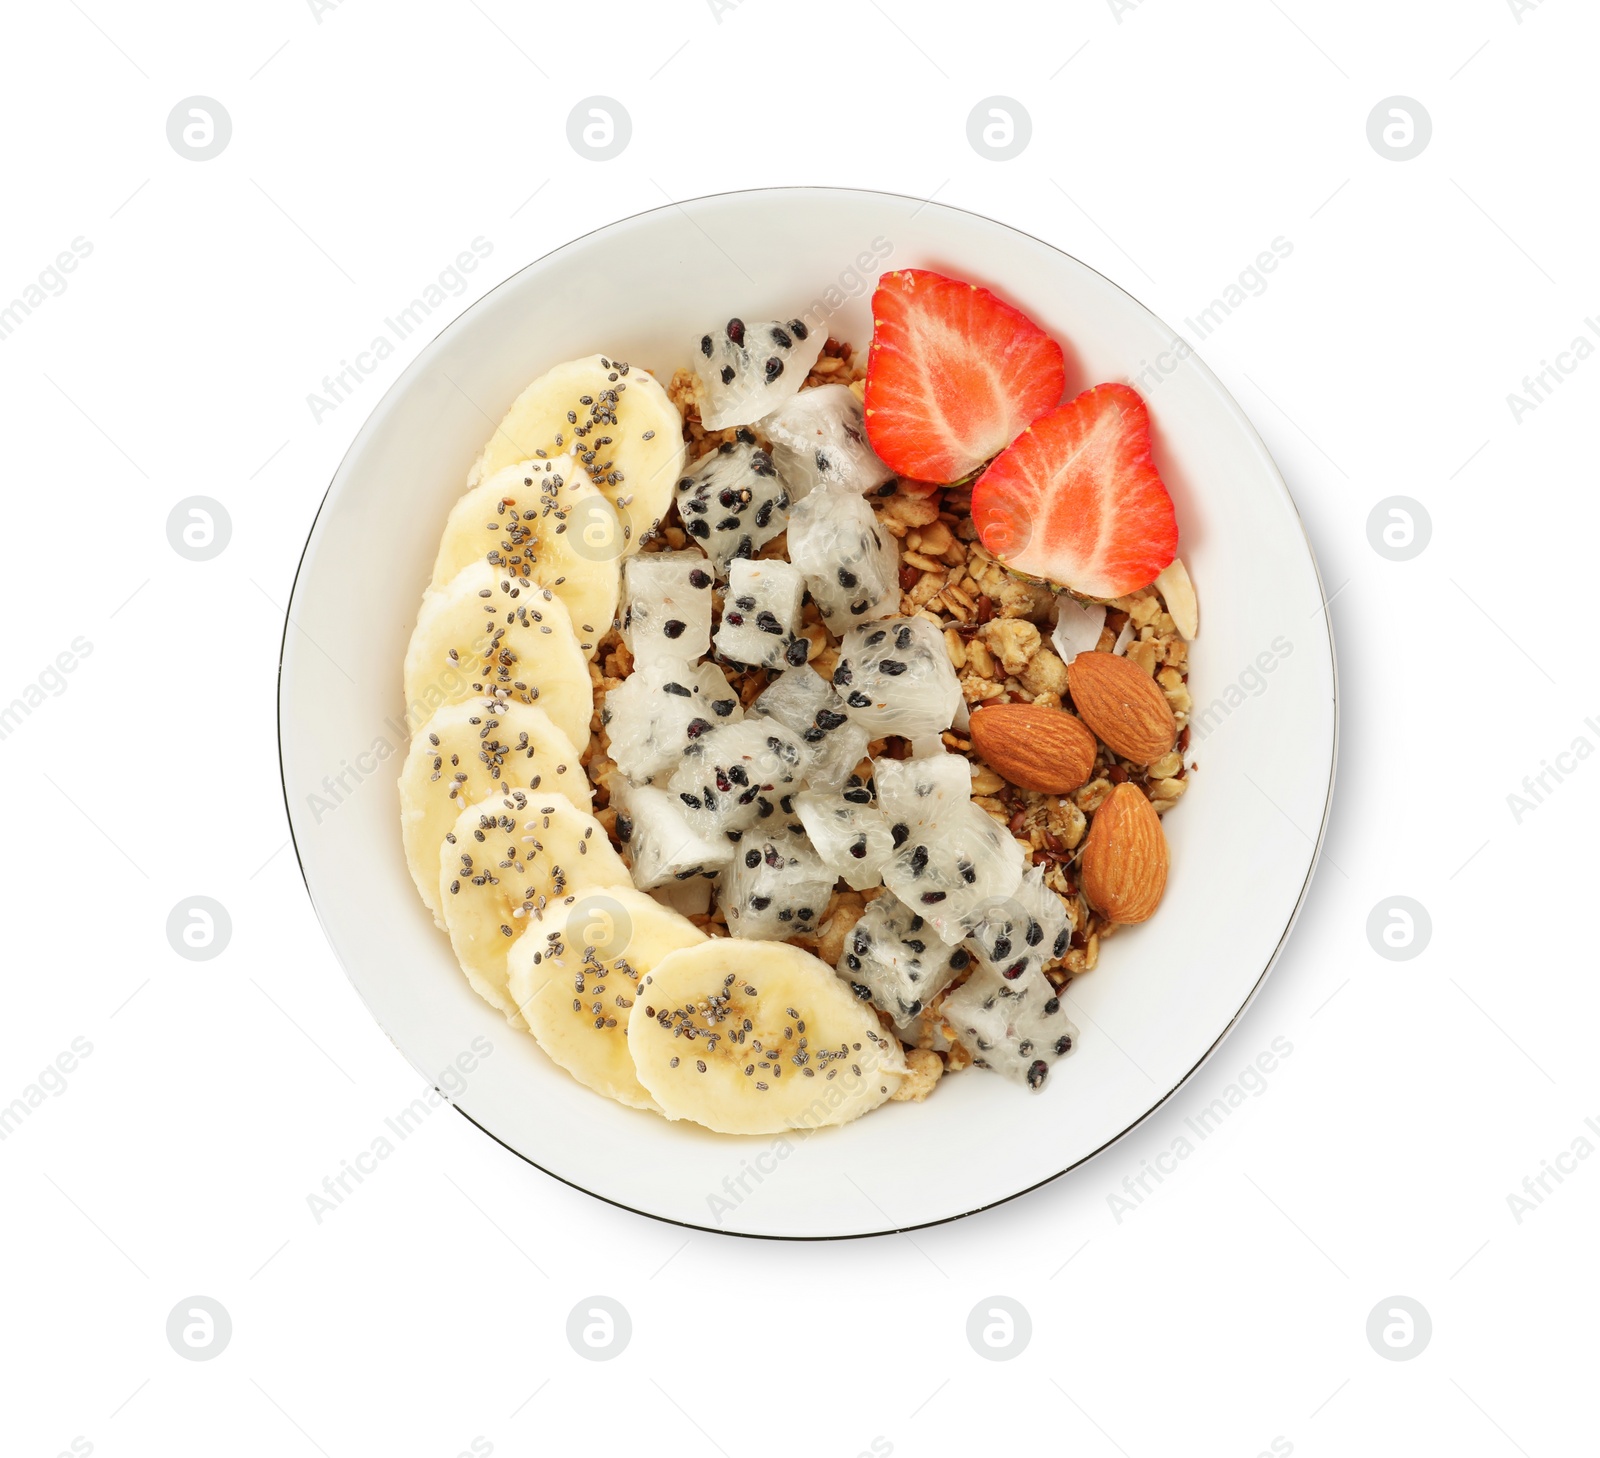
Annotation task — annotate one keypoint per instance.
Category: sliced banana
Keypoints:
(481, 636)
(505, 860)
(575, 973)
(758, 1037)
(616, 419)
(543, 522)
(467, 752)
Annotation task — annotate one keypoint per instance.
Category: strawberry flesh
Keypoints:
(953, 376)
(1077, 499)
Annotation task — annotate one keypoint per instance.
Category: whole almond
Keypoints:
(1123, 705)
(1124, 866)
(1034, 746)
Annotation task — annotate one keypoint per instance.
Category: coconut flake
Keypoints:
(1177, 592)
(1078, 626)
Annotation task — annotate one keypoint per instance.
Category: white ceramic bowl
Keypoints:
(1244, 839)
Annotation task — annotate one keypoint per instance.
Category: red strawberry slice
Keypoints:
(1077, 499)
(953, 375)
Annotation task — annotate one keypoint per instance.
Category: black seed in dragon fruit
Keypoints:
(851, 564)
(895, 677)
(893, 959)
(749, 370)
(775, 887)
(819, 438)
(668, 605)
(662, 708)
(761, 616)
(951, 869)
(733, 502)
(662, 846)
(738, 777)
(1016, 1027)
(803, 701)
(1028, 930)
(852, 838)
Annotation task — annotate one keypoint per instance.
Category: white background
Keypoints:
(1171, 144)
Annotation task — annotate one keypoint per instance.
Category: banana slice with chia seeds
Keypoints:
(467, 752)
(756, 1038)
(619, 423)
(543, 522)
(574, 975)
(482, 636)
(506, 860)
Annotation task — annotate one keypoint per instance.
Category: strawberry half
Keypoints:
(1077, 500)
(953, 375)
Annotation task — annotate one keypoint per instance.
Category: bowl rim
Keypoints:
(1224, 396)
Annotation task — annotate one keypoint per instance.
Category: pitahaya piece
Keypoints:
(749, 370)
(819, 438)
(668, 596)
(775, 887)
(1018, 1028)
(851, 564)
(661, 708)
(1027, 931)
(896, 678)
(804, 703)
(913, 792)
(761, 615)
(662, 845)
(733, 777)
(852, 838)
(687, 898)
(733, 501)
(953, 869)
(893, 959)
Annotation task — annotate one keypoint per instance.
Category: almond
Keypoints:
(1124, 866)
(1123, 705)
(1033, 746)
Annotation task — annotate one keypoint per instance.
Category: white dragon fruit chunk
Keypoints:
(1017, 1028)
(662, 846)
(953, 869)
(1078, 626)
(733, 501)
(661, 708)
(852, 838)
(914, 792)
(736, 776)
(892, 959)
(851, 564)
(687, 898)
(774, 888)
(749, 370)
(668, 596)
(761, 615)
(819, 438)
(803, 701)
(896, 678)
(1027, 932)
